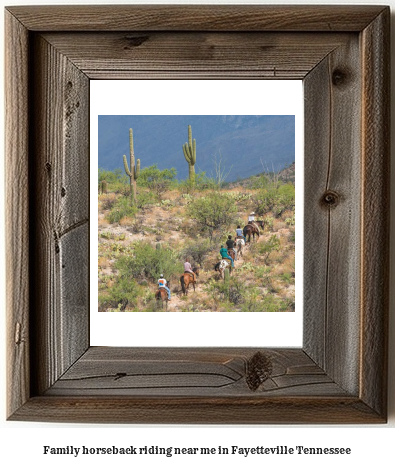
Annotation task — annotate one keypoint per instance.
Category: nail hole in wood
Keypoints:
(63, 192)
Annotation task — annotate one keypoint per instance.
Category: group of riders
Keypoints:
(224, 252)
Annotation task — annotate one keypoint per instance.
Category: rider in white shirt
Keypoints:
(163, 283)
(251, 217)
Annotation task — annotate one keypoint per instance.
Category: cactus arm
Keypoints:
(187, 153)
(137, 169)
(125, 164)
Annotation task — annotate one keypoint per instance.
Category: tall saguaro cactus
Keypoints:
(134, 171)
(190, 155)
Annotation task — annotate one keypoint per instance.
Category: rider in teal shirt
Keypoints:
(224, 253)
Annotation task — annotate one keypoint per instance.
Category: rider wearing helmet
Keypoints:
(163, 283)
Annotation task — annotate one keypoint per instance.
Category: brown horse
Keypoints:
(252, 228)
(162, 295)
(232, 253)
(187, 279)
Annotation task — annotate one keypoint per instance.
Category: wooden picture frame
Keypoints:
(340, 374)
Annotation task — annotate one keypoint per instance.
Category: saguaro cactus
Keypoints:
(103, 187)
(134, 171)
(190, 154)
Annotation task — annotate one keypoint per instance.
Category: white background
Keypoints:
(21, 443)
(267, 97)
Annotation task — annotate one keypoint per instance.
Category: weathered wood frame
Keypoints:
(342, 54)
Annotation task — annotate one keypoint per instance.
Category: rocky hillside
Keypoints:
(162, 233)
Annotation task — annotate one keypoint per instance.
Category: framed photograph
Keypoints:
(240, 201)
(54, 56)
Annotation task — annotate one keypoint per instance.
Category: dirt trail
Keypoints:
(167, 225)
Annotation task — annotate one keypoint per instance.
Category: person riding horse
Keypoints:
(239, 233)
(162, 283)
(231, 245)
(188, 269)
(224, 253)
(251, 217)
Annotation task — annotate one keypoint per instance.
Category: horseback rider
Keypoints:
(224, 253)
(239, 233)
(231, 245)
(163, 283)
(251, 217)
(188, 269)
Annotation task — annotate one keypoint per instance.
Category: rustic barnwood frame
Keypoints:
(342, 54)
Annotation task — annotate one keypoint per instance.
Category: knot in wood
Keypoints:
(259, 369)
(330, 199)
(339, 77)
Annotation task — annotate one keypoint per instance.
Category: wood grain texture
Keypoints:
(17, 213)
(332, 130)
(375, 212)
(59, 230)
(195, 55)
(198, 410)
(196, 17)
(339, 376)
(191, 372)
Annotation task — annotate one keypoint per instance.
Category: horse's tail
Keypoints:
(245, 231)
(216, 267)
(183, 284)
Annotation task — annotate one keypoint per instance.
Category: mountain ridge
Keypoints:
(244, 144)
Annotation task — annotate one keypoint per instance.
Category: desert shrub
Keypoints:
(287, 278)
(147, 262)
(197, 251)
(107, 202)
(145, 198)
(265, 249)
(212, 213)
(271, 303)
(117, 180)
(276, 199)
(158, 181)
(202, 182)
(123, 294)
(121, 209)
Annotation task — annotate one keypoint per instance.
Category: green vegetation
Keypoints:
(158, 181)
(213, 213)
(147, 263)
(121, 209)
(171, 220)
